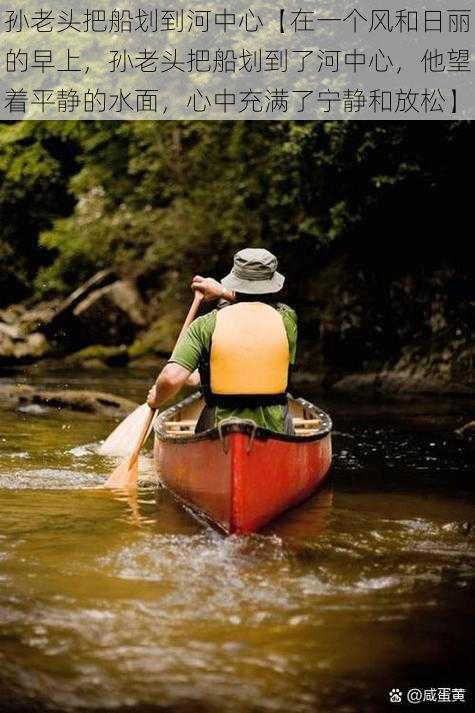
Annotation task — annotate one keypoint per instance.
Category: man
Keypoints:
(243, 349)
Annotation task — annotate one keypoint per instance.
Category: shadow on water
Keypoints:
(115, 602)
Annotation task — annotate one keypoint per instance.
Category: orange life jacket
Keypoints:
(249, 356)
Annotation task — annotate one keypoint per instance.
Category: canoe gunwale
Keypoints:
(238, 426)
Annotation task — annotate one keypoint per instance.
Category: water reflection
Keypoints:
(308, 521)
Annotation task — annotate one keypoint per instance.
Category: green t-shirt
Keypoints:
(197, 341)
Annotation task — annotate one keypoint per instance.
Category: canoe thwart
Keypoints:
(177, 426)
(306, 422)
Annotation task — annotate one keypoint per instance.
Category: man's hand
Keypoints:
(194, 379)
(211, 289)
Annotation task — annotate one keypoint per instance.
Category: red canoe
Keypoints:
(239, 476)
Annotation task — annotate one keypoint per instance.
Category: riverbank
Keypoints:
(345, 343)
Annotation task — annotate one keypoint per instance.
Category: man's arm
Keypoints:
(174, 376)
(170, 380)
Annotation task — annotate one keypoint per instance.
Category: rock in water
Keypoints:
(94, 402)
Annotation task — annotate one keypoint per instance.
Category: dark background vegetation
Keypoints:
(372, 224)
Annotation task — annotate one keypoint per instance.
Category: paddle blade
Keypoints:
(123, 439)
(124, 477)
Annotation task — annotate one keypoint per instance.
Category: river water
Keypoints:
(109, 602)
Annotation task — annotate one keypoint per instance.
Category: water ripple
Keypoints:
(49, 479)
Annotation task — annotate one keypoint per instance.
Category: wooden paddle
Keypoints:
(125, 476)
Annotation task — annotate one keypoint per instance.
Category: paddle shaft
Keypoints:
(148, 421)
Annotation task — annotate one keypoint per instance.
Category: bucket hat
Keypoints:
(254, 273)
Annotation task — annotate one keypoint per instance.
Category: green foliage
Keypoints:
(36, 162)
(163, 200)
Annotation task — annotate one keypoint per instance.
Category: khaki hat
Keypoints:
(254, 273)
